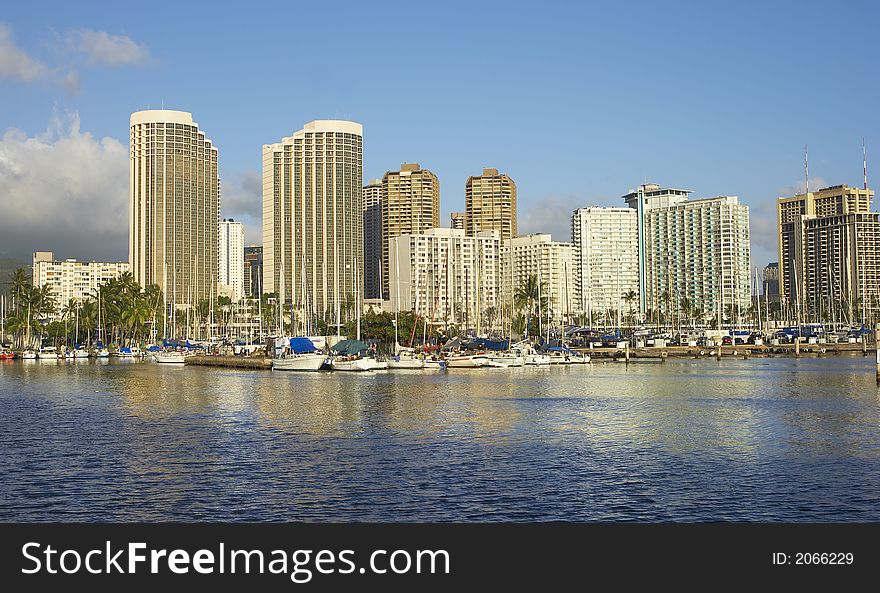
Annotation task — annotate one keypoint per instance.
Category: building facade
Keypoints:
(313, 245)
(373, 240)
(446, 276)
(606, 278)
(456, 220)
(770, 282)
(71, 279)
(697, 253)
(231, 259)
(490, 204)
(410, 206)
(174, 197)
(842, 267)
(820, 248)
(647, 197)
(553, 265)
(253, 271)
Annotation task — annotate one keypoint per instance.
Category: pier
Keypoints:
(235, 362)
(739, 350)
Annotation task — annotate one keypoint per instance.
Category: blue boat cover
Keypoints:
(301, 345)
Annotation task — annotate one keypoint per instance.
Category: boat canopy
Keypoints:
(453, 343)
(349, 347)
(301, 345)
(487, 344)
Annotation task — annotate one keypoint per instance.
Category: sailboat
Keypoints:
(301, 355)
(404, 358)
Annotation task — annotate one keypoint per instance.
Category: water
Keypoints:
(771, 439)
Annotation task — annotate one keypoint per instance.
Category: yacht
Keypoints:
(406, 359)
(28, 355)
(300, 355)
(354, 363)
(467, 361)
(511, 358)
(48, 352)
(170, 357)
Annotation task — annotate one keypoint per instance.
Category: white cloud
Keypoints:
(101, 48)
(241, 198)
(15, 63)
(550, 214)
(64, 191)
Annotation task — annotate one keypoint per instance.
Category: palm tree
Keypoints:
(629, 297)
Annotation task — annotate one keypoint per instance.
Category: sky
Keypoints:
(578, 102)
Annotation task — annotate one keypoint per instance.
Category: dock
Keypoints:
(235, 362)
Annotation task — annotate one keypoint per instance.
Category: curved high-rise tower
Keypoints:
(174, 197)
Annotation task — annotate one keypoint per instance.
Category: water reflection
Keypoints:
(683, 440)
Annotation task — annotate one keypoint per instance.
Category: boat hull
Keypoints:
(467, 362)
(307, 362)
(358, 364)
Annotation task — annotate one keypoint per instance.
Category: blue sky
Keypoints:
(578, 102)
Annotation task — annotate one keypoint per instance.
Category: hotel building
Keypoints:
(313, 245)
(174, 197)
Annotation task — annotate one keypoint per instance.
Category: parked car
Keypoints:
(727, 341)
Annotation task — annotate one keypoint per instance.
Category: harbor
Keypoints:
(779, 439)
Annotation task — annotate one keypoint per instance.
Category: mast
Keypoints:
(357, 298)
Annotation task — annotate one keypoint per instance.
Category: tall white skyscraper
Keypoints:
(313, 246)
(231, 257)
(693, 252)
(606, 242)
(174, 197)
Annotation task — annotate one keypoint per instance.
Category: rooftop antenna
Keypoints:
(806, 172)
(865, 162)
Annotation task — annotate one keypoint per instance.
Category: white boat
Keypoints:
(557, 357)
(578, 358)
(28, 355)
(49, 352)
(405, 359)
(496, 365)
(102, 353)
(299, 362)
(536, 359)
(508, 358)
(466, 361)
(435, 363)
(78, 353)
(172, 357)
(132, 352)
(349, 363)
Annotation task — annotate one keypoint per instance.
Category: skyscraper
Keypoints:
(373, 239)
(231, 257)
(692, 252)
(829, 252)
(606, 242)
(174, 200)
(253, 271)
(313, 219)
(410, 206)
(490, 204)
